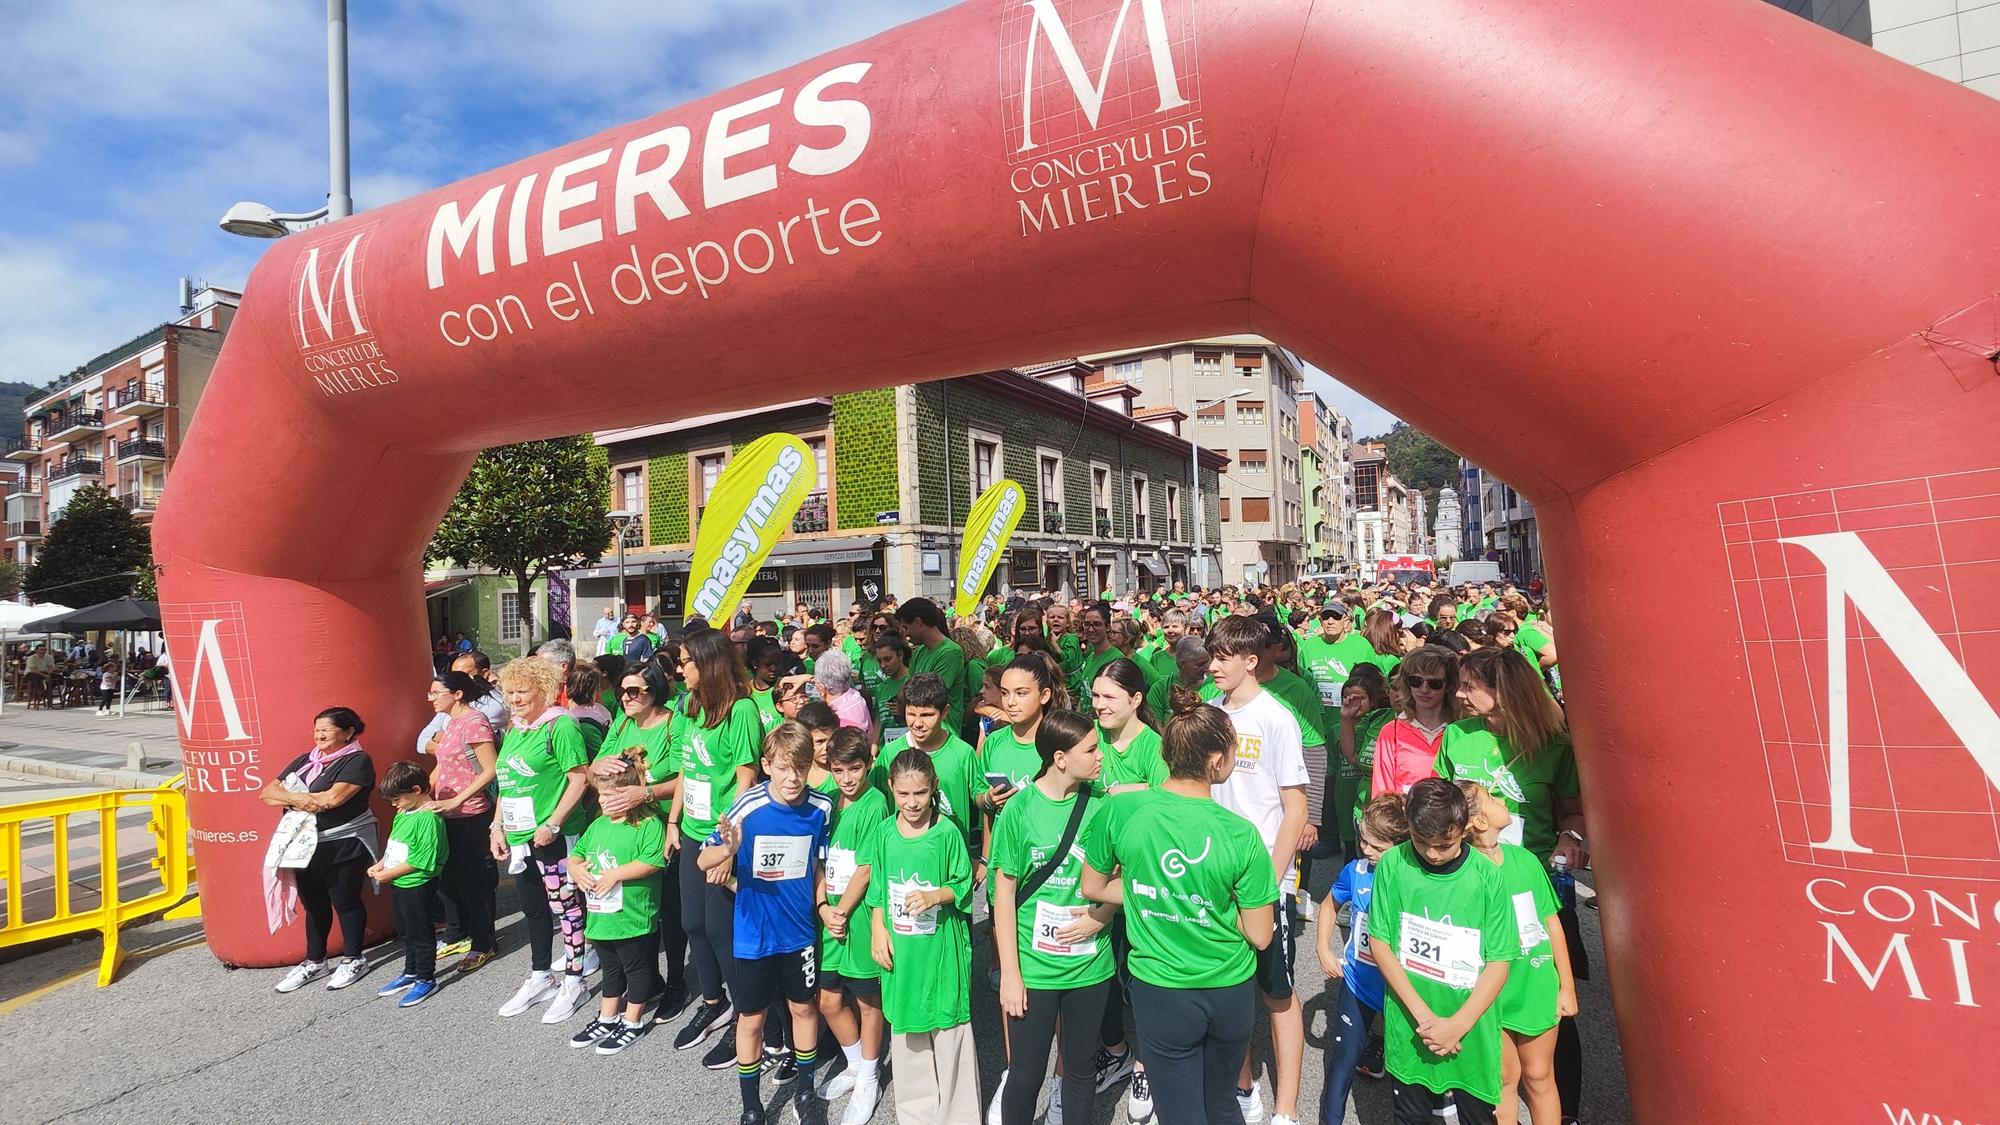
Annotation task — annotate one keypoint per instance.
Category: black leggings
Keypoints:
(413, 924)
(1118, 995)
(708, 919)
(1028, 1038)
(1569, 1043)
(630, 972)
(469, 877)
(329, 889)
(1192, 1042)
(673, 940)
(1415, 1105)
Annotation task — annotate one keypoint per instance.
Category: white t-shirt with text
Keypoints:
(1269, 759)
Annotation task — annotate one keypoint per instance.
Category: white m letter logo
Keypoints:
(207, 654)
(1089, 94)
(340, 283)
(1853, 574)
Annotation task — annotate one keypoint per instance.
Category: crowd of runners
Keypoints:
(768, 838)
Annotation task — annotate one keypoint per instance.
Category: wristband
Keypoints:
(1575, 835)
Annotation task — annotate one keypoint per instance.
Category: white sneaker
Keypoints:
(1281, 1119)
(591, 963)
(1054, 1116)
(533, 991)
(301, 974)
(1139, 1099)
(838, 1087)
(1308, 911)
(861, 1106)
(993, 1110)
(346, 973)
(1252, 1105)
(568, 999)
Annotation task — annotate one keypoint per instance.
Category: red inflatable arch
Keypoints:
(1710, 285)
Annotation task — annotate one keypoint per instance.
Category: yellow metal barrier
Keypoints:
(168, 827)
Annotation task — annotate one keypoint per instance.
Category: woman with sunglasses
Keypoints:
(1426, 690)
(644, 723)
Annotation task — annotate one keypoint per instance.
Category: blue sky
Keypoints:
(127, 128)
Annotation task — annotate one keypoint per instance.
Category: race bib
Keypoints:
(697, 797)
(1364, 954)
(891, 734)
(605, 902)
(1528, 923)
(840, 867)
(395, 852)
(779, 859)
(1050, 920)
(1329, 695)
(900, 919)
(1441, 952)
(517, 814)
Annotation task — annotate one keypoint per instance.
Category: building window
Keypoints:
(985, 462)
(1211, 415)
(1256, 509)
(1127, 370)
(631, 497)
(1208, 363)
(1223, 504)
(511, 620)
(1142, 523)
(1249, 366)
(1050, 468)
(818, 447)
(1173, 511)
(1253, 463)
(1100, 498)
(1250, 412)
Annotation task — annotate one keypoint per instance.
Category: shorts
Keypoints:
(1274, 961)
(756, 984)
(868, 988)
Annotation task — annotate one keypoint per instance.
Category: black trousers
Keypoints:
(1028, 1041)
(1569, 1042)
(708, 920)
(330, 890)
(468, 881)
(1192, 1042)
(673, 939)
(1415, 1105)
(1119, 996)
(630, 970)
(413, 923)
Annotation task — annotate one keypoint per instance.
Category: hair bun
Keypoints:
(1184, 700)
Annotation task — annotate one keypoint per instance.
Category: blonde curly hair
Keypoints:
(536, 672)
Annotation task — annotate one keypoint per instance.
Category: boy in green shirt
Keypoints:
(892, 662)
(410, 864)
(1442, 931)
(960, 784)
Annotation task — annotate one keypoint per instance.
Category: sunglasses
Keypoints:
(1434, 683)
(631, 692)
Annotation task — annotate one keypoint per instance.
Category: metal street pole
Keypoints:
(623, 606)
(339, 196)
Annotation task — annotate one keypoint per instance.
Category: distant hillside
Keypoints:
(12, 397)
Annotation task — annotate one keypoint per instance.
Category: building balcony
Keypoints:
(136, 400)
(141, 502)
(812, 514)
(75, 467)
(1052, 519)
(24, 531)
(143, 449)
(1103, 524)
(29, 450)
(73, 424)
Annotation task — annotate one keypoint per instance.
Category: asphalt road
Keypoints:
(179, 1038)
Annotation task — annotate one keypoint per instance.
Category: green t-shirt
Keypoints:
(533, 772)
(1529, 640)
(1024, 839)
(1444, 929)
(851, 647)
(416, 838)
(1529, 789)
(854, 828)
(1303, 700)
(1329, 663)
(1002, 752)
(1181, 897)
(888, 712)
(1089, 664)
(930, 986)
(867, 674)
(709, 758)
(946, 661)
(656, 741)
(959, 781)
(1528, 1003)
(767, 711)
(632, 909)
(1139, 763)
(828, 786)
(1161, 667)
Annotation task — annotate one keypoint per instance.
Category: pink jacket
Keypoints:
(1404, 755)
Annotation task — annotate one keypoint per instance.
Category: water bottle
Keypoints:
(1565, 883)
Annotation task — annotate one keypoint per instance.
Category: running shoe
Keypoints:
(454, 948)
(752, 1117)
(418, 993)
(861, 1106)
(666, 1005)
(568, 999)
(347, 972)
(302, 974)
(722, 1056)
(1251, 1104)
(707, 1019)
(538, 988)
(780, 1065)
(591, 962)
(1111, 1067)
(596, 1029)
(1054, 1116)
(838, 1086)
(1371, 1060)
(396, 984)
(1308, 909)
(625, 1035)
(809, 1110)
(474, 961)
(1139, 1099)
(1283, 1119)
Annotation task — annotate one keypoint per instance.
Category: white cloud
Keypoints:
(1368, 418)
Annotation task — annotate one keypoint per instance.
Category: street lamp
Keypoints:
(621, 518)
(1194, 473)
(255, 220)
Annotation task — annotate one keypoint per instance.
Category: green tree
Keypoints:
(10, 578)
(527, 511)
(1420, 463)
(93, 553)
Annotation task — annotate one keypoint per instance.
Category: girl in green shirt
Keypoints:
(617, 863)
(1063, 968)
(1125, 729)
(643, 732)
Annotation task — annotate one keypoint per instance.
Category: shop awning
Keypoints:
(1151, 565)
(442, 586)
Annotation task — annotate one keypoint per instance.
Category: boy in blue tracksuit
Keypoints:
(1352, 1045)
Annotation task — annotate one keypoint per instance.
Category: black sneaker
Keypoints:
(779, 1064)
(593, 1031)
(810, 1110)
(668, 1004)
(706, 1019)
(1371, 1060)
(625, 1035)
(1111, 1067)
(722, 1056)
(752, 1117)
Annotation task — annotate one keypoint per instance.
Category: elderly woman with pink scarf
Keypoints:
(331, 782)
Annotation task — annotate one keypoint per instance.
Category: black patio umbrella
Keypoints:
(118, 613)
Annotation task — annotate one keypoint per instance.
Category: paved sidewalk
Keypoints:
(74, 745)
